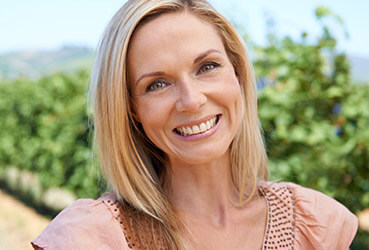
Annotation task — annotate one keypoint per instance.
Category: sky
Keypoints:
(52, 24)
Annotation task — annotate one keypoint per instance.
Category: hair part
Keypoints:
(133, 166)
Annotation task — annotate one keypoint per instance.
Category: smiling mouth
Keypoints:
(198, 129)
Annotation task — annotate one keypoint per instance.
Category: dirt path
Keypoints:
(19, 224)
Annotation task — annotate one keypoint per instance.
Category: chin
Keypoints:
(202, 158)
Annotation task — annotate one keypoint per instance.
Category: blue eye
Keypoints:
(158, 84)
(208, 67)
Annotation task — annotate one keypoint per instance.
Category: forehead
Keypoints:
(163, 23)
(172, 36)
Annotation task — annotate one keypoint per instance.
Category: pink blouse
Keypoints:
(298, 218)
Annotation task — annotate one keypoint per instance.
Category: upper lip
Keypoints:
(196, 122)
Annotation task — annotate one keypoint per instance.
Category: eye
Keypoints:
(156, 85)
(207, 67)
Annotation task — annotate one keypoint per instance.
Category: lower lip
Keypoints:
(199, 136)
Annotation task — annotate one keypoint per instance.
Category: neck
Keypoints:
(204, 189)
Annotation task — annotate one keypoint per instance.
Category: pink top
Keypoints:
(298, 218)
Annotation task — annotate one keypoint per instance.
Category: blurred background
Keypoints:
(312, 68)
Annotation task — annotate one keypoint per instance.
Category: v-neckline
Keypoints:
(280, 215)
(279, 227)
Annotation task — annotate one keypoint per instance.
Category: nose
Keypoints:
(190, 96)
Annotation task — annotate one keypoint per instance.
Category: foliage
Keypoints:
(316, 121)
(44, 130)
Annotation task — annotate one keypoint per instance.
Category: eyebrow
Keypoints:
(204, 54)
(160, 73)
(157, 73)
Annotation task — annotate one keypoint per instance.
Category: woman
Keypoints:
(176, 129)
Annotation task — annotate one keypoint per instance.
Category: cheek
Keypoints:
(153, 117)
(236, 96)
(229, 91)
(231, 97)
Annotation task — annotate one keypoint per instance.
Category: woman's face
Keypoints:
(185, 91)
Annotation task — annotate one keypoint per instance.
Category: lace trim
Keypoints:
(114, 207)
(128, 227)
(281, 218)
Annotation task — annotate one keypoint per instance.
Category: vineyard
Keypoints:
(315, 121)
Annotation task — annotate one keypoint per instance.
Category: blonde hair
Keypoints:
(132, 165)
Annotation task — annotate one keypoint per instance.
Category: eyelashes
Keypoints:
(156, 85)
(208, 66)
(159, 84)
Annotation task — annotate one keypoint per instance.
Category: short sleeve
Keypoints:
(86, 224)
(321, 222)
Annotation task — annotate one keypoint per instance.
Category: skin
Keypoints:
(180, 75)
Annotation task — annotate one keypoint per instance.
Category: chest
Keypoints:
(271, 226)
(237, 236)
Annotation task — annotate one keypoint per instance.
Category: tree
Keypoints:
(316, 121)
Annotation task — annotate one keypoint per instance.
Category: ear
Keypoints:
(134, 113)
(237, 75)
(135, 116)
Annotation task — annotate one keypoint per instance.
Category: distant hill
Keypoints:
(68, 59)
(359, 68)
(34, 64)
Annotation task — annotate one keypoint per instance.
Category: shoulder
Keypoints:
(319, 221)
(85, 224)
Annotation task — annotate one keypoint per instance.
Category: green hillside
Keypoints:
(34, 64)
(37, 63)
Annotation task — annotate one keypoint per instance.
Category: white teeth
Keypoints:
(202, 127)
(196, 129)
(189, 131)
(208, 126)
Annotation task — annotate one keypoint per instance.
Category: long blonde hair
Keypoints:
(132, 165)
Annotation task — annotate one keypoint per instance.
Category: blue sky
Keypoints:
(46, 24)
